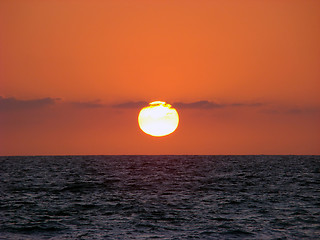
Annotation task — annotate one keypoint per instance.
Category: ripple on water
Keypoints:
(167, 197)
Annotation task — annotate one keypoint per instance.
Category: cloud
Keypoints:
(257, 104)
(7, 104)
(308, 110)
(204, 104)
(13, 104)
(293, 110)
(198, 105)
(90, 104)
(139, 104)
(211, 105)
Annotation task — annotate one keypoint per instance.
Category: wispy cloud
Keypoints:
(89, 104)
(303, 110)
(138, 104)
(13, 104)
(204, 104)
(293, 110)
(198, 105)
(7, 104)
(255, 104)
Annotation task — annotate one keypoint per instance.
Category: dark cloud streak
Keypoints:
(294, 111)
(139, 104)
(198, 105)
(14, 104)
(211, 105)
(204, 104)
(8, 104)
(90, 104)
(258, 104)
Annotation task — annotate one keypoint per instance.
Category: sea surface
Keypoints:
(160, 197)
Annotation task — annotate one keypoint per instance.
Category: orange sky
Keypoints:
(243, 75)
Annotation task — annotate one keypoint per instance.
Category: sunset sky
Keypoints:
(244, 76)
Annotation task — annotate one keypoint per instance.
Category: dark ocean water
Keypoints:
(164, 197)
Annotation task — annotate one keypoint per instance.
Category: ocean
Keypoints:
(160, 197)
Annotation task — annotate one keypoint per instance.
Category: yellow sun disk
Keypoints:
(158, 119)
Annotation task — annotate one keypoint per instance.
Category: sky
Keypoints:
(244, 76)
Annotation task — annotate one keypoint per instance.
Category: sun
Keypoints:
(158, 119)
